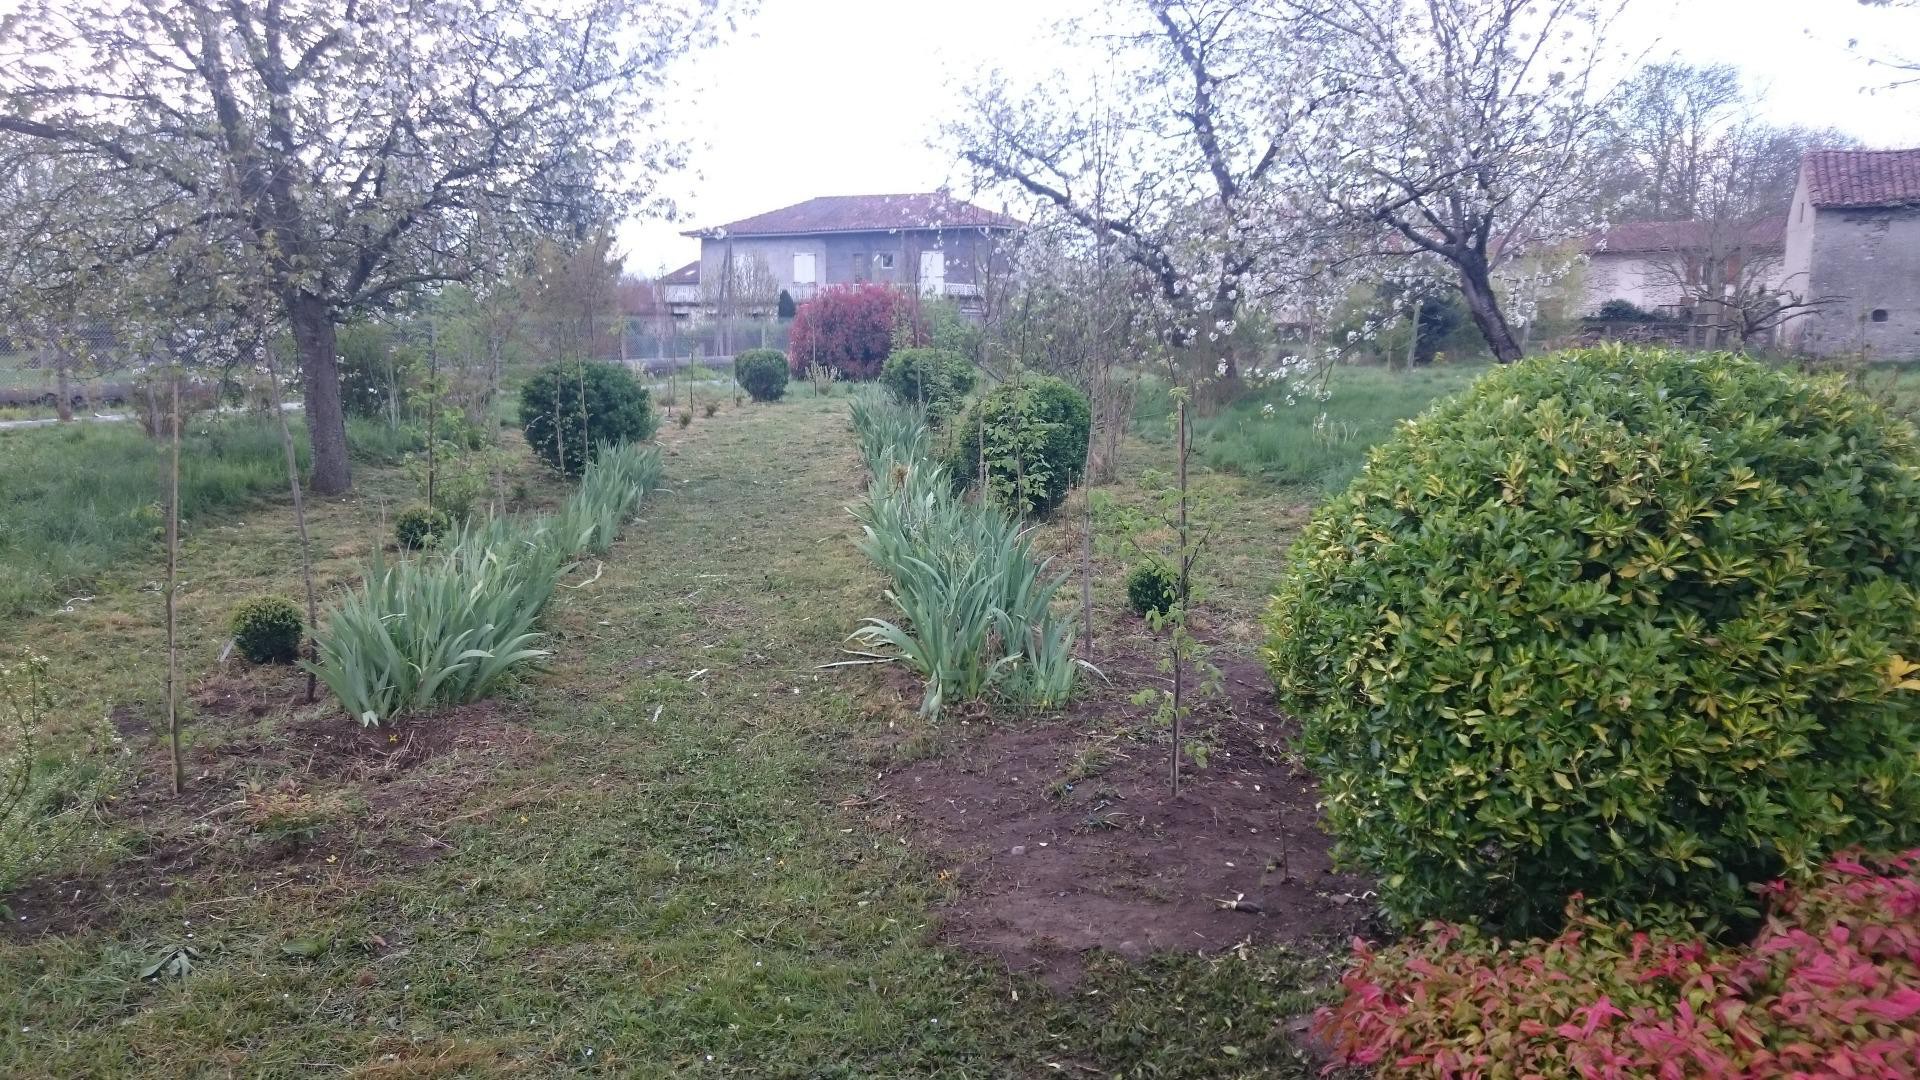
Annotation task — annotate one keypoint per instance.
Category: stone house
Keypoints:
(1853, 246)
(931, 242)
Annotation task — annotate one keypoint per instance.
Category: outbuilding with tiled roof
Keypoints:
(1853, 247)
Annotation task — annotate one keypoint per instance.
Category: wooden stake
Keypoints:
(300, 520)
(173, 573)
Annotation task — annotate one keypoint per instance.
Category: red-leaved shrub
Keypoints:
(849, 328)
(1830, 987)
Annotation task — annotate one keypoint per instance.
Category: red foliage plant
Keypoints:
(849, 328)
(1830, 987)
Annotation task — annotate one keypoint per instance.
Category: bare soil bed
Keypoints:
(277, 793)
(1062, 836)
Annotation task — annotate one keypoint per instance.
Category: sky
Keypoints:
(844, 97)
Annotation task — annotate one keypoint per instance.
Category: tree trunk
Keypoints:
(320, 372)
(62, 388)
(1477, 287)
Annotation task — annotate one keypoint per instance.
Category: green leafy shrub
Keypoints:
(1831, 987)
(267, 629)
(420, 527)
(1629, 623)
(1036, 429)
(1152, 587)
(617, 410)
(762, 373)
(935, 379)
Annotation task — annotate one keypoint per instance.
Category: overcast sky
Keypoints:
(840, 97)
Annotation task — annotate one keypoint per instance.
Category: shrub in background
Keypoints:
(1831, 987)
(936, 379)
(1036, 429)
(420, 527)
(378, 373)
(1152, 587)
(267, 629)
(1624, 311)
(1630, 623)
(762, 373)
(848, 328)
(617, 411)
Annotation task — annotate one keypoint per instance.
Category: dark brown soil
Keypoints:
(278, 793)
(1062, 835)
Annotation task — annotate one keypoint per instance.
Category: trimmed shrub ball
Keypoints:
(420, 527)
(1152, 588)
(617, 410)
(267, 629)
(1036, 442)
(762, 373)
(937, 378)
(1637, 624)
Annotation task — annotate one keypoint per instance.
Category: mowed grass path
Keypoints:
(670, 886)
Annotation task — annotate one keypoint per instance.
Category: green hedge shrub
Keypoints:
(1036, 442)
(421, 527)
(267, 629)
(936, 378)
(762, 373)
(617, 411)
(1152, 587)
(1636, 624)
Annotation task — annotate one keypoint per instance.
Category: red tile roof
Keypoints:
(864, 213)
(686, 275)
(1862, 178)
(1639, 237)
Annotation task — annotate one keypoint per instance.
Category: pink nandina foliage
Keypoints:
(849, 328)
(1830, 987)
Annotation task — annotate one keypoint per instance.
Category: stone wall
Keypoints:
(1869, 261)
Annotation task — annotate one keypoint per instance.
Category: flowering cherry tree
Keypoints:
(1171, 164)
(332, 155)
(1468, 129)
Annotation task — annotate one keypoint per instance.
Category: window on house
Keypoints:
(883, 259)
(803, 268)
(1879, 315)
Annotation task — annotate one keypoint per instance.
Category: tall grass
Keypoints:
(76, 499)
(1321, 444)
(449, 626)
(975, 604)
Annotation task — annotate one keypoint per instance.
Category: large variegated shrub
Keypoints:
(1632, 623)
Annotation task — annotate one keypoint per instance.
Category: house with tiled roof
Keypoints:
(1661, 266)
(930, 242)
(1853, 245)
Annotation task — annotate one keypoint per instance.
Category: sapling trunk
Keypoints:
(300, 522)
(1180, 627)
(586, 449)
(173, 574)
(433, 409)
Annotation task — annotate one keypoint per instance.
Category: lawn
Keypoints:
(1284, 437)
(78, 500)
(684, 848)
